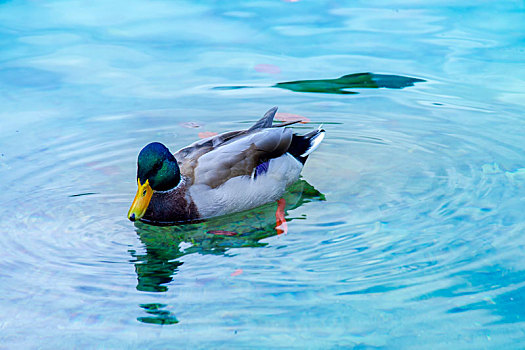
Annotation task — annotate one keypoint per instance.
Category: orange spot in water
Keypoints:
(280, 222)
(205, 134)
(222, 233)
(236, 272)
(267, 68)
(289, 117)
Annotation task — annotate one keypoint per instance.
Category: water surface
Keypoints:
(405, 232)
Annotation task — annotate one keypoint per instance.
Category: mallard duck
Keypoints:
(222, 174)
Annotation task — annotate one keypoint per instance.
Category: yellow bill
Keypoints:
(141, 201)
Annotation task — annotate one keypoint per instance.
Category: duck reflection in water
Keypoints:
(156, 267)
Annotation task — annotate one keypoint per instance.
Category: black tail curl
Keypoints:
(303, 145)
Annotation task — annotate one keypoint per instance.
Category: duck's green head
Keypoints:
(157, 171)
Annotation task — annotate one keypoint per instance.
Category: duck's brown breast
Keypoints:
(171, 207)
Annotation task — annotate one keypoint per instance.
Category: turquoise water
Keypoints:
(405, 232)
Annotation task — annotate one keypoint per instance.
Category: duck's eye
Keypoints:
(144, 193)
(157, 166)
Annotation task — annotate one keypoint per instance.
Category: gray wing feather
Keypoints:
(266, 121)
(216, 159)
(241, 156)
(200, 147)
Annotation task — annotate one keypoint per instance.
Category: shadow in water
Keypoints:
(158, 316)
(157, 266)
(342, 84)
